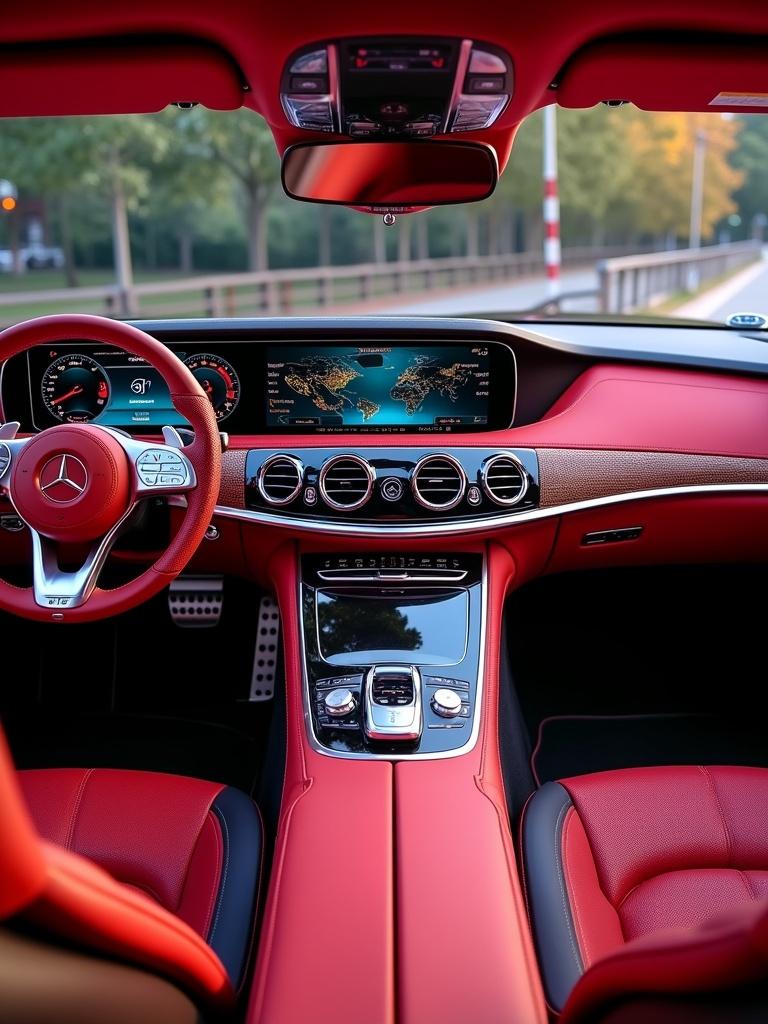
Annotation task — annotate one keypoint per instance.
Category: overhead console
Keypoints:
(396, 87)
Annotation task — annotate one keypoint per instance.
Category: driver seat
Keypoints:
(157, 872)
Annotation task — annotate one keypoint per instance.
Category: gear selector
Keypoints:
(392, 703)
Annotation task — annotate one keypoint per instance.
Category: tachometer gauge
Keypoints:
(75, 388)
(218, 380)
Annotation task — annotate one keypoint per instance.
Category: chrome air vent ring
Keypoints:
(504, 479)
(346, 482)
(438, 482)
(279, 479)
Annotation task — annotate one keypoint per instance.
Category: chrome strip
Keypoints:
(462, 64)
(386, 531)
(319, 748)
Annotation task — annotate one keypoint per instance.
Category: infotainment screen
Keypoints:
(358, 629)
(385, 387)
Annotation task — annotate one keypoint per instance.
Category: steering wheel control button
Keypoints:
(160, 468)
(392, 489)
(446, 703)
(5, 458)
(340, 703)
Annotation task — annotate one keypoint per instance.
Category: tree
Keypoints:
(63, 157)
(751, 159)
(240, 143)
(656, 183)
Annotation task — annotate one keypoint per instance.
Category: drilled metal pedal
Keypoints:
(265, 654)
(196, 601)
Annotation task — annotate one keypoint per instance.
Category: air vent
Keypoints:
(505, 481)
(346, 482)
(438, 482)
(279, 479)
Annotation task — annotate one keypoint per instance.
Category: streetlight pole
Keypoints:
(551, 203)
(697, 203)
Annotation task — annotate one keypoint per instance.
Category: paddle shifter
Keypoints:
(392, 703)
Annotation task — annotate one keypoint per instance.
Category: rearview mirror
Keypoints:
(390, 174)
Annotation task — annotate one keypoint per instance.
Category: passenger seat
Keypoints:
(627, 871)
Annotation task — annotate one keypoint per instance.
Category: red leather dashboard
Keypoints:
(611, 406)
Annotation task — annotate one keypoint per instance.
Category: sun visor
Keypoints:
(115, 77)
(678, 75)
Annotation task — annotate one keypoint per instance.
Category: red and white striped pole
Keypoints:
(551, 202)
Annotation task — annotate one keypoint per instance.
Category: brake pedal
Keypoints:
(265, 654)
(196, 601)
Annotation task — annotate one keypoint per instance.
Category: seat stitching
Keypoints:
(713, 789)
(581, 938)
(190, 856)
(217, 836)
(572, 938)
(748, 883)
(76, 808)
(220, 899)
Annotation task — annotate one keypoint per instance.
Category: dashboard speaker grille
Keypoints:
(438, 482)
(504, 479)
(280, 479)
(346, 482)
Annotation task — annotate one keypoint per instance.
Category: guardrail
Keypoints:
(629, 283)
(279, 292)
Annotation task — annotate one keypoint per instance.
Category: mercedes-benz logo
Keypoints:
(63, 478)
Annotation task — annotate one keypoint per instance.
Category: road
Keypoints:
(752, 297)
(512, 296)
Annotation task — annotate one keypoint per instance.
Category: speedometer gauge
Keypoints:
(218, 380)
(75, 388)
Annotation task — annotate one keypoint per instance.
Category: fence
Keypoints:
(628, 283)
(278, 292)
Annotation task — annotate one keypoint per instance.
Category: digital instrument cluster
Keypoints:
(117, 389)
(279, 386)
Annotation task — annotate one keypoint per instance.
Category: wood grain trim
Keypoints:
(574, 474)
(232, 489)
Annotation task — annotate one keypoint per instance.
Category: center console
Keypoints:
(393, 653)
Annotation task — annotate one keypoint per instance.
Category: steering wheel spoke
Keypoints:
(55, 587)
(10, 446)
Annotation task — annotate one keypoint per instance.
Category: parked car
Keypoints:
(33, 257)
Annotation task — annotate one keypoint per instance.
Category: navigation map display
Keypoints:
(378, 387)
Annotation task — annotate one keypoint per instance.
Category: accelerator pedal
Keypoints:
(265, 654)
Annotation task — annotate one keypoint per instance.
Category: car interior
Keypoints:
(374, 720)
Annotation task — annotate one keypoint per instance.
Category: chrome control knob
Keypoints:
(446, 703)
(339, 703)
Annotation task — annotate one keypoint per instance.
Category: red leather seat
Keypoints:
(157, 870)
(625, 855)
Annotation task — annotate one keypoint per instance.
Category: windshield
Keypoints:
(182, 214)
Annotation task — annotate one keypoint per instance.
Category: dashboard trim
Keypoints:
(489, 523)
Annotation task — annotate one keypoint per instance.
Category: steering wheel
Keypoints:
(79, 483)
